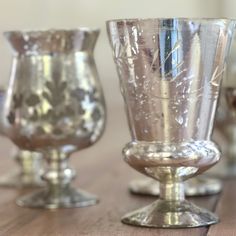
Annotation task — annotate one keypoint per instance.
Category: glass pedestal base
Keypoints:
(62, 199)
(170, 214)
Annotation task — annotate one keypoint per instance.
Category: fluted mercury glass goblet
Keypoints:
(170, 72)
(54, 105)
(29, 163)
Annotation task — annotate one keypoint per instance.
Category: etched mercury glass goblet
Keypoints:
(30, 163)
(54, 105)
(170, 72)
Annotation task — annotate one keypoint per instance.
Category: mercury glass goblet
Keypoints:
(225, 133)
(54, 105)
(225, 126)
(28, 173)
(30, 163)
(170, 72)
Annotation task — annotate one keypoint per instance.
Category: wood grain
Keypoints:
(101, 171)
(226, 209)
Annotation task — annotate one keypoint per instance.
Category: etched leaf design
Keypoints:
(92, 96)
(62, 86)
(82, 126)
(11, 117)
(49, 85)
(78, 93)
(124, 59)
(216, 76)
(96, 115)
(34, 117)
(69, 110)
(81, 109)
(49, 114)
(60, 99)
(32, 100)
(155, 56)
(47, 97)
(55, 94)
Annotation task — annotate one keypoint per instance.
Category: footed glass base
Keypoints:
(18, 180)
(198, 186)
(62, 199)
(171, 214)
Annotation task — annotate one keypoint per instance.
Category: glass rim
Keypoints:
(52, 31)
(184, 19)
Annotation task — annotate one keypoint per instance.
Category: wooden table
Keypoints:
(102, 171)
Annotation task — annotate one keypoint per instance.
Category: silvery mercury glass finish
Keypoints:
(30, 163)
(54, 105)
(195, 187)
(225, 126)
(28, 174)
(225, 133)
(170, 72)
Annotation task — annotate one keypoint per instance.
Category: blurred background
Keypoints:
(45, 14)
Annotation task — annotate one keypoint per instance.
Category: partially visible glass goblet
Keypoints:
(30, 163)
(55, 106)
(225, 134)
(225, 125)
(170, 72)
(29, 171)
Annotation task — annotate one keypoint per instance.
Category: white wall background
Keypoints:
(44, 14)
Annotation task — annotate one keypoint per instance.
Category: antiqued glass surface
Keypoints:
(195, 187)
(30, 164)
(170, 72)
(225, 126)
(225, 133)
(54, 103)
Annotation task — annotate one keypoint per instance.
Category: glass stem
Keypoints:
(24, 159)
(172, 191)
(58, 174)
